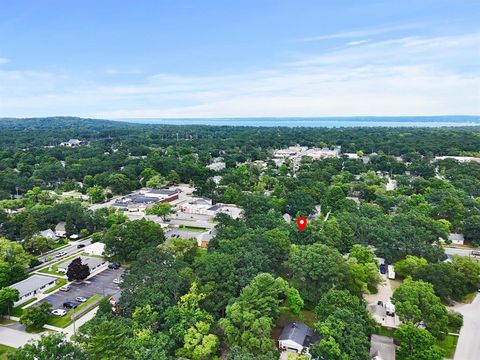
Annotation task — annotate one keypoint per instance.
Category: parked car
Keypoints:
(117, 281)
(383, 269)
(65, 288)
(79, 246)
(81, 299)
(59, 312)
(114, 265)
(70, 305)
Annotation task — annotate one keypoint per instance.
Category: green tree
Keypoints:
(409, 266)
(471, 229)
(416, 344)
(250, 318)
(36, 316)
(156, 182)
(124, 241)
(38, 245)
(316, 269)
(95, 193)
(8, 296)
(200, 344)
(164, 210)
(49, 347)
(416, 302)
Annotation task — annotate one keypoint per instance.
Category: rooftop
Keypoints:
(299, 333)
(32, 283)
(382, 347)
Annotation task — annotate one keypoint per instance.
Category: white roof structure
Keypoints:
(32, 284)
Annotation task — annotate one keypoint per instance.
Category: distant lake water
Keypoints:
(433, 121)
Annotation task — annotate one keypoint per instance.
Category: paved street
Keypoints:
(15, 338)
(101, 284)
(468, 347)
(458, 251)
(70, 249)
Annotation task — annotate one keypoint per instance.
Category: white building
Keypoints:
(456, 239)
(217, 166)
(35, 284)
(461, 159)
(60, 229)
(71, 143)
(48, 233)
(97, 249)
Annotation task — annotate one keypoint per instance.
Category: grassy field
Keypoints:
(60, 283)
(469, 297)
(5, 351)
(64, 321)
(192, 228)
(448, 345)
(384, 331)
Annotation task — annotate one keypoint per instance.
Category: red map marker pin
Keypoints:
(301, 223)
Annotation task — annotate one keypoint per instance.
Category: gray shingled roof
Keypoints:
(383, 347)
(163, 191)
(92, 262)
(299, 333)
(32, 283)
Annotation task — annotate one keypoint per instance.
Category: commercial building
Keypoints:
(35, 284)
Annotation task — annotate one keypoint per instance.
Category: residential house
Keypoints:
(297, 337)
(217, 166)
(48, 233)
(382, 348)
(60, 229)
(35, 284)
(71, 143)
(456, 239)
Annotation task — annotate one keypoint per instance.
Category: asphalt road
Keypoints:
(456, 251)
(101, 284)
(70, 249)
(468, 347)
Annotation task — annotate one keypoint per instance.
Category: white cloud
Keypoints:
(402, 76)
(3, 61)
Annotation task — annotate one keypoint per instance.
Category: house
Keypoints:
(31, 286)
(382, 348)
(48, 233)
(93, 263)
(456, 239)
(216, 166)
(71, 143)
(297, 337)
(197, 206)
(60, 229)
(97, 249)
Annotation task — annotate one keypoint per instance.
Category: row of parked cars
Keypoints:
(69, 305)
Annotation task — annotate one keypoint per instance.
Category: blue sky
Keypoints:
(225, 58)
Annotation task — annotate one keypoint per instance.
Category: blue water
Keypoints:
(430, 121)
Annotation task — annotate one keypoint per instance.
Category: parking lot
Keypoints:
(101, 284)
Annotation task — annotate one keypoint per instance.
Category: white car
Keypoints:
(117, 281)
(61, 253)
(59, 312)
(65, 288)
(81, 299)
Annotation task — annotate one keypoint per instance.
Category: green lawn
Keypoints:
(448, 345)
(60, 283)
(380, 330)
(192, 228)
(64, 321)
(5, 351)
(469, 297)
(18, 311)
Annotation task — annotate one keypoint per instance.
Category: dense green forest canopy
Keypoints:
(179, 301)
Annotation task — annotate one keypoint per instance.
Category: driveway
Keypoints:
(468, 346)
(15, 338)
(101, 284)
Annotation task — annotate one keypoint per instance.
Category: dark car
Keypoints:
(79, 246)
(114, 265)
(383, 269)
(70, 305)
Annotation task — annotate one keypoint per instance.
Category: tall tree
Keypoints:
(77, 270)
